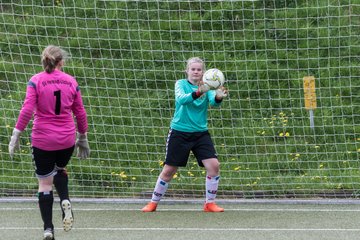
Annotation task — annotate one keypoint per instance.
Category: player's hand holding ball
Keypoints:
(82, 146)
(203, 87)
(215, 79)
(221, 93)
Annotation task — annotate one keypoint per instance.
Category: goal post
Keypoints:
(127, 55)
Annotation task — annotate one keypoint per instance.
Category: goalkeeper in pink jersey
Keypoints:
(53, 96)
(189, 132)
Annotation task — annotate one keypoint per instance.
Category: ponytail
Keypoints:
(51, 57)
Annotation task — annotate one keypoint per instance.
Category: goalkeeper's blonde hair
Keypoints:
(195, 60)
(51, 57)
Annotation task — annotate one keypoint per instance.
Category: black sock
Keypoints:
(46, 201)
(61, 184)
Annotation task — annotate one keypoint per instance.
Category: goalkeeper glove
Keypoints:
(203, 88)
(14, 142)
(82, 146)
(221, 93)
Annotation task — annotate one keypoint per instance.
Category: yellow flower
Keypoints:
(281, 134)
(122, 174)
(287, 134)
(237, 168)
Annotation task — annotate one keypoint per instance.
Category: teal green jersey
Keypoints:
(190, 113)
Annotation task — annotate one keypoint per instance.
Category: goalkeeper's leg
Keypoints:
(46, 200)
(160, 187)
(211, 185)
(61, 185)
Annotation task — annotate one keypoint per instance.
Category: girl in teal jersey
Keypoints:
(189, 132)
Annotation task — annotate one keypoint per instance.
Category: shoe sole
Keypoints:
(68, 218)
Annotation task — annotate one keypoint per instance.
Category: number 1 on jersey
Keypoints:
(57, 94)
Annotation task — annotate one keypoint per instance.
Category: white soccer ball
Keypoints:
(214, 78)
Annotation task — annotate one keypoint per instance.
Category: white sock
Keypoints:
(159, 191)
(212, 184)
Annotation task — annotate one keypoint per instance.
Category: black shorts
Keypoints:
(48, 162)
(179, 144)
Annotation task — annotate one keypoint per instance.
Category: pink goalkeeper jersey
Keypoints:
(53, 97)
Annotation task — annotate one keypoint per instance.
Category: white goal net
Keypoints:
(290, 127)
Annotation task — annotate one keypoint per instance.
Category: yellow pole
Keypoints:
(310, 97)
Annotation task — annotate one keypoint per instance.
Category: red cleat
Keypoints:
(150, 207)
(212, 207)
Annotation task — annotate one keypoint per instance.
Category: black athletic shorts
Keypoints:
(179, 144)
(48, 162)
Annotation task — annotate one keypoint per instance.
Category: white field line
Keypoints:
(200, 229)
(193, 210)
